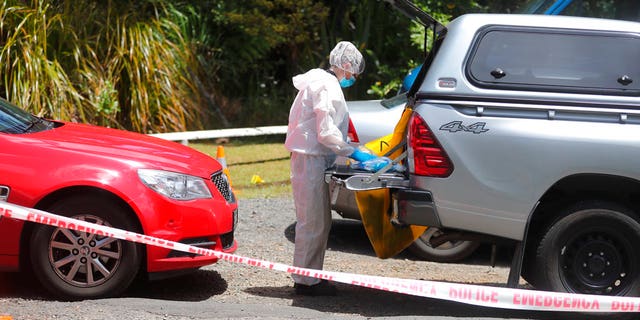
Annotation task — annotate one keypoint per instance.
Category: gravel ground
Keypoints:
(228, 290)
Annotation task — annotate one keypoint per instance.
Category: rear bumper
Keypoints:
(415, 207)
(410, 206)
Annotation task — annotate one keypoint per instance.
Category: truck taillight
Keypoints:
(352, 134)
(429, 157)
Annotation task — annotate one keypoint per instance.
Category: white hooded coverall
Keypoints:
(317, 132)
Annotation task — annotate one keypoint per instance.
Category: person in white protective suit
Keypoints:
(316, 134)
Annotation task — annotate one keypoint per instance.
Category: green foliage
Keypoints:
(504, 6)
(383, 37)
(31, 76)
(381, 90)
(261, 45)
(612, 9)
(111, 63)
(140, 51)
(106, 100)
(173, 65)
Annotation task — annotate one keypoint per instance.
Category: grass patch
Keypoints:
(268, 160)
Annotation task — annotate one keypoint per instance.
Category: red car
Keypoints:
(114, 178)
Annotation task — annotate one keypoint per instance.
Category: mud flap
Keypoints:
(375, 205)
(387, 240)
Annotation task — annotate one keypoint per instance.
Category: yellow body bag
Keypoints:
(375, 205)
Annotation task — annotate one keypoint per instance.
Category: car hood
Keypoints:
(134, 149)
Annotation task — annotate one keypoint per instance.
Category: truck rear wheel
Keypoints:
(591, 250)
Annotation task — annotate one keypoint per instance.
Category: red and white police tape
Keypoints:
(496, 297)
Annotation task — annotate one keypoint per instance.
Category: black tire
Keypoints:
(61, 258)
(451, 251)
(591, 250)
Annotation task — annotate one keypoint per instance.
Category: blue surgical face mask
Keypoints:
(346, 83)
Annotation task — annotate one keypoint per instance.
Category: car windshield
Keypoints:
(15, 120)
(610, 9)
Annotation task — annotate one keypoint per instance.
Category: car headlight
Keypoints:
(174, 185)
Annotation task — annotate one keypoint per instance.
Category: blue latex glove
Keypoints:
(361, 156)
(375, 164)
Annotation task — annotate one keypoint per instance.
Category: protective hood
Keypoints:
(318, 119)
(313, 79)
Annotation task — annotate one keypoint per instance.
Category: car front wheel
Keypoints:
(78, 265)
(592, 250)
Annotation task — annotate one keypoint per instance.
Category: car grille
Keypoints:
(204, 243)
(222, 183)
(225, 239)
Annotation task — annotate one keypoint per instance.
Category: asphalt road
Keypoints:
(232, 291)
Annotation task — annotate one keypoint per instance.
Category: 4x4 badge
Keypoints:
(455, 126)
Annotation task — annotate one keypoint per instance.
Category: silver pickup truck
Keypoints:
(526, 129)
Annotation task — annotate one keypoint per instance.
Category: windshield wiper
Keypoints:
(32, 123)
